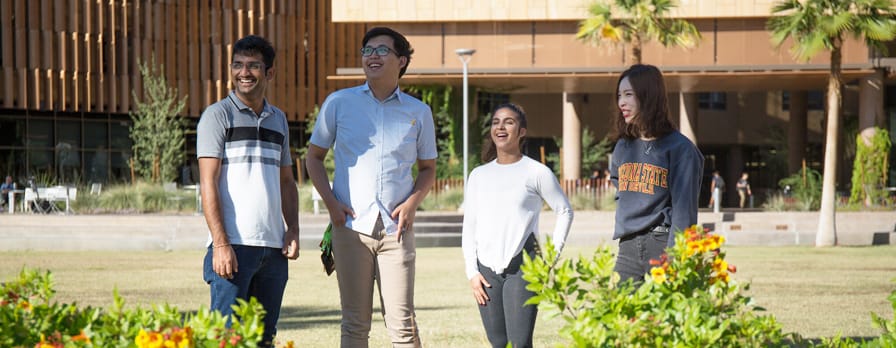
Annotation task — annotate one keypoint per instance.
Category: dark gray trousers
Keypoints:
(505, 317)
(636, 251)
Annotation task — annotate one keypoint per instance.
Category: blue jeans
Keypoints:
(505, 316)
(636, 251)
(262, 274)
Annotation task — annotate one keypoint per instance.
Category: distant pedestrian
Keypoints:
(743, 188)
(716, 188)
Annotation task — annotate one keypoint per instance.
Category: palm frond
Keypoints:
(878, 29)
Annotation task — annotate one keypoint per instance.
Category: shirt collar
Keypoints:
(395, 94)
(265, 110)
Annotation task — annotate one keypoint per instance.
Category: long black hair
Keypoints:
(652, 120)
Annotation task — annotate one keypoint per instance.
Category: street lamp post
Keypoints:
(465, 54)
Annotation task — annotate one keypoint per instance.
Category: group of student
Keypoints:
(377, 133)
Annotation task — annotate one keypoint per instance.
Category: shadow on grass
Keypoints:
(303, 317)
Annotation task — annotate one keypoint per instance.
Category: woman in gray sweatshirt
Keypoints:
(657, 172)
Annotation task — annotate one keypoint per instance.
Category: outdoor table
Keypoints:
(11, 201)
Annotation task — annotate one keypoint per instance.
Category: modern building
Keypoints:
(748, 105)
(70, 72)
(70, 75)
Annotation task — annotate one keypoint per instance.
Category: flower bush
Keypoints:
(688, 300)
(29, 318)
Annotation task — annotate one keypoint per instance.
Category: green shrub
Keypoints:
(137, 198)
(776, 202)
(448, 200)
(870, 168)
(28, 318)
(688, 300)
(806, 187)
(589, 201)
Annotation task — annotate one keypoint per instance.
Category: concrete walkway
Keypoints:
(590, 228)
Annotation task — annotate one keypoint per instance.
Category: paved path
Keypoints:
(590, 228)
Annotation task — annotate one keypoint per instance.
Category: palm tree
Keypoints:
(641, 21)
(817, 25)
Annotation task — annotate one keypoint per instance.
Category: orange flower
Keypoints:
(81, 337)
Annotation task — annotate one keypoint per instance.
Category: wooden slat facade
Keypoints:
(82, 55)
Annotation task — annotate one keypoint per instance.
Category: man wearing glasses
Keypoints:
(249, 195)
(377, 134)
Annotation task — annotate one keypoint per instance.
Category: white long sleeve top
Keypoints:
(502, 203)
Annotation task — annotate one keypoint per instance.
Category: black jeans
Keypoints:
(505, 317)
(636, 251)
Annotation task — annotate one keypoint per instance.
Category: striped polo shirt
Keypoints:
(252, 148)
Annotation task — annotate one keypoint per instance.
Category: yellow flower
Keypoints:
(719, 265)
(724, 276)
(658, 274)
(25, 305)
(149, 339)
(693, 248)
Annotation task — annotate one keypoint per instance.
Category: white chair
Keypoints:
(96, 188)
(28, 201)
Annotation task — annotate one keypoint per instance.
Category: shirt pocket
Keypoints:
(406, 130)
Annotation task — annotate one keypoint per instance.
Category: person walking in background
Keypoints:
(606, 178)
(248, 189)
(716, 188)
(743, 188)
(377, 133)
(502, 202)
(656, 170)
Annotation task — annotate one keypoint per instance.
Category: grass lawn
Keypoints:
(815, 292)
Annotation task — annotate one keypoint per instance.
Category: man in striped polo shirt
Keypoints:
(248, 191)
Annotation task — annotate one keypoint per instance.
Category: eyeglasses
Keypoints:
(253, 66)
(379, 50)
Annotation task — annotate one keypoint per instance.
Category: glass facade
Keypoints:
(64, 148)
(83, 148)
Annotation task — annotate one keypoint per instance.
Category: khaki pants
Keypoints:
(361, 259)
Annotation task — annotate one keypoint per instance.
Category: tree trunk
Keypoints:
(636, 49)
(827, 228)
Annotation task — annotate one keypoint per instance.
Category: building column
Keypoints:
(572, 138)
(687, 115)
(871, 103)
(796, 131)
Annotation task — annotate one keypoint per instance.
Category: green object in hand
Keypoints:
(326, 250)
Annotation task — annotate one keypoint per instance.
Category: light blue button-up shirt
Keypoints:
(375, 144)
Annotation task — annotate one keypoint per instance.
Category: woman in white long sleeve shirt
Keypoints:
(502, 202)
